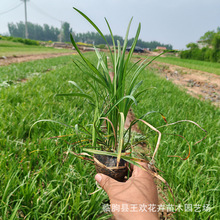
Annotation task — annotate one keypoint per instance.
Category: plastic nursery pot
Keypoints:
(108, 166)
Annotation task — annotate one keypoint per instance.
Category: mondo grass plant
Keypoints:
(113, 89)
(111, 97)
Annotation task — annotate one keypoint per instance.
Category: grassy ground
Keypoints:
(18, 71)
(194, 181)
(9, 48)
(40, 181)
(193, 64)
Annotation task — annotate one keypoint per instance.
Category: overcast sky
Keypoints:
(175, 22)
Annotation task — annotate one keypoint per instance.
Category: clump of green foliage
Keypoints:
(210, 50)
(111, 98)
(20, 40)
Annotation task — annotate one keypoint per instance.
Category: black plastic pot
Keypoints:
(108, 166)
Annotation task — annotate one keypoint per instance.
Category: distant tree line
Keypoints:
(38, 32)
(46, 33)
(207, 48)
(152, 44)
(95, 38)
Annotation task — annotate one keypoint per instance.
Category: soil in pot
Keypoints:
(108, 166)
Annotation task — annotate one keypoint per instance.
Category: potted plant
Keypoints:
(111, 100)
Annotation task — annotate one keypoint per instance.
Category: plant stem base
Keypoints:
(108, 165)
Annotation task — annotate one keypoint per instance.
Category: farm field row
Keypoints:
(8, 49)
(21, 71)
(213, 68)
(192, 64)
(41, 179)
(198, 83)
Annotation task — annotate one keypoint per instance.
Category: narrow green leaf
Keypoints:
(136, 87)
(123, 98)
(113, 42)
(121, 137)
(79, 95)
(91, 22)
(105, 68)
(133, 44)
(76, 85)
(95, 26)
(100, 152)
(89, 64)
(48, 120)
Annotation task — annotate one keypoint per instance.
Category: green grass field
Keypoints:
(41, 180)
(9, 48)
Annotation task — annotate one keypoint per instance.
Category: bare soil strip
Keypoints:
(202, 85)
(4, 61)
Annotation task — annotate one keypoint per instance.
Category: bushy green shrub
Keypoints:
(209, 53)
(26, 41)
(6, 38)
(101, 46)
(204, 54)
(84, 44)
(20, 40)
(185, 54)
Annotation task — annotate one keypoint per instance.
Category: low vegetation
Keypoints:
(192, 64)
(14, 73)
(17, 46)
(38, 32)
(207, 49)
(40, 179)
(20, 40)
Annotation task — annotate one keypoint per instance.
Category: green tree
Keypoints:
(216, 42)
(35, 31)
(66, 30)
(208, 37)
(192, 46)
(209, 53)
(215, 56)
(17, 30)
(47, 32)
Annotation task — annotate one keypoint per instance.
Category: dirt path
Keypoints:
(4, 61)
(202, 85)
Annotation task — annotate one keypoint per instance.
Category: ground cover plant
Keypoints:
(193, 64)
(9, 48)
(40, 181)
(15, 73)
(20, 40)
(195, 179)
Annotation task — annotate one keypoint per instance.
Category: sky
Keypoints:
(175, 22)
